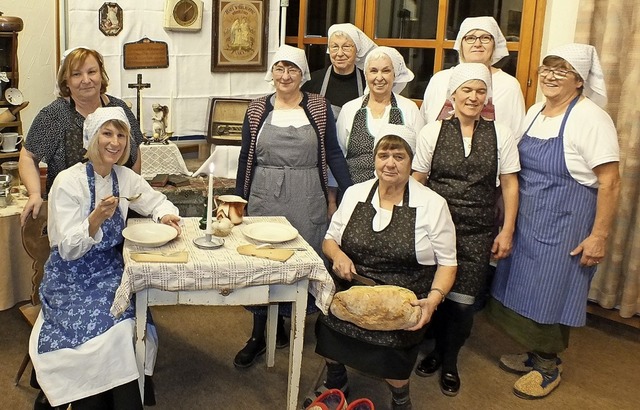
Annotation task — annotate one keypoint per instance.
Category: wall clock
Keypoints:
(183, 15)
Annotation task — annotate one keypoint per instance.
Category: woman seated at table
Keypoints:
(81, 353)
(395, 231)
(288, 145)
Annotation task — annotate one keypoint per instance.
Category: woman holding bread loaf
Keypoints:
(397, 232)
(465, 158)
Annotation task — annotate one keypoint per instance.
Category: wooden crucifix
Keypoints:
(139, 85)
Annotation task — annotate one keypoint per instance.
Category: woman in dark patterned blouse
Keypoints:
(55, 137)
(464, 159)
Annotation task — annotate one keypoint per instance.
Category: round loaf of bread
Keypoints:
(383, 307)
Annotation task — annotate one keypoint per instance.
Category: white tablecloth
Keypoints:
(222, 268)
(162, 159)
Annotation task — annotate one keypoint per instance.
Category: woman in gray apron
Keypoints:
(343, 80)
(397, 232)
(288, 145)
(569, 188)
(76, 340)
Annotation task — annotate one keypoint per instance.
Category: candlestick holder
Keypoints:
(208, 241)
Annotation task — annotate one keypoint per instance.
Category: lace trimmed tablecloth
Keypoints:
(222, 268)
(161, 159)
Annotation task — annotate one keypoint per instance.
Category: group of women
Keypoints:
(409, 204)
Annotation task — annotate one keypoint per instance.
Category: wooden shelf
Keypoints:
(9, 155)
(10, 124)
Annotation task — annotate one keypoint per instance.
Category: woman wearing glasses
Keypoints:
(288, 145)
(343, 80)
(569, 187)
(479, 41)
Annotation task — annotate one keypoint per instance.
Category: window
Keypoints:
(423, 31)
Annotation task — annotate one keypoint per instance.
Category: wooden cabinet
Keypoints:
(9, 28)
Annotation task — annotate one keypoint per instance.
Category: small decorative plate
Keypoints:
(271, 232)
(13, 96)
(149, 235)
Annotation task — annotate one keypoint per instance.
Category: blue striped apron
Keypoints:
(77, 294)
(540, 280)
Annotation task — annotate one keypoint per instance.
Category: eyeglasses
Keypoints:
(558, 73)
(485, 39)
(346, 48)
(293, 72)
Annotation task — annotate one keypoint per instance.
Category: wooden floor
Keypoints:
(194, 369)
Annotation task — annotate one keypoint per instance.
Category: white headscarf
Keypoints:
(95, 120)
(402, 73)
(363, 43)
(464, 72)
(292, 55)
(584, 58)
(489, 25)
(402, 131)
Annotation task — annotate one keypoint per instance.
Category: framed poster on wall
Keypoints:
(239, 35)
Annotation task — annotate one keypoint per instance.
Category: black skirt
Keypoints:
(380, 361)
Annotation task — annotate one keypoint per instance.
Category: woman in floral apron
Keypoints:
(465, 159)
(397, 232)
(82, 354)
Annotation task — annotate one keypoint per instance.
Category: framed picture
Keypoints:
(110, 19)
(239, 35)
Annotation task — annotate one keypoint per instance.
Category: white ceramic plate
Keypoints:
(271, 232)
(14, 96)
(150, 235)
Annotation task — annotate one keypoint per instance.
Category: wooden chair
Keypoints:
(35, 241)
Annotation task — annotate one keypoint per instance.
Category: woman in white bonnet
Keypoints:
(466, 158)
(569, 188)
(343, 80)
(387, 74)
(479, 40)
(76, 340)
(288, 146)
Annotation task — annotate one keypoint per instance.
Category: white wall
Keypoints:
(37, 43)
(36, 52)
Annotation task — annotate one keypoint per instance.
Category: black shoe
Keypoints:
(428, 366)
(282, 340)
(42, 403)
(149, 391)
(250, 353)
(449, 383)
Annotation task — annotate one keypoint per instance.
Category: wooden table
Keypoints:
(224, 277)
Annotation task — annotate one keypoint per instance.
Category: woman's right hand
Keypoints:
(343, 266)
(32, 207)
(104, 210)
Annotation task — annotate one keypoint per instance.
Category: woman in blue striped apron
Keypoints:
(466, 158)
(82, 354)
(569, 187)
(397, 232)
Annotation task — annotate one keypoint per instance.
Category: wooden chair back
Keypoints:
(35, 241)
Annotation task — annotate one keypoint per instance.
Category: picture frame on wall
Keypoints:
(239, 35)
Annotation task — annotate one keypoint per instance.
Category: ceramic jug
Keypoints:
(230, 206)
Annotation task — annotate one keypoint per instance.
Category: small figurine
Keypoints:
(159, 126)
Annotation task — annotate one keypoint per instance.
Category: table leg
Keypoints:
(298, 313)
(272, 322)
(141, 329)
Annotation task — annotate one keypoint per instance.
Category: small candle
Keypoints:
(209, 204)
